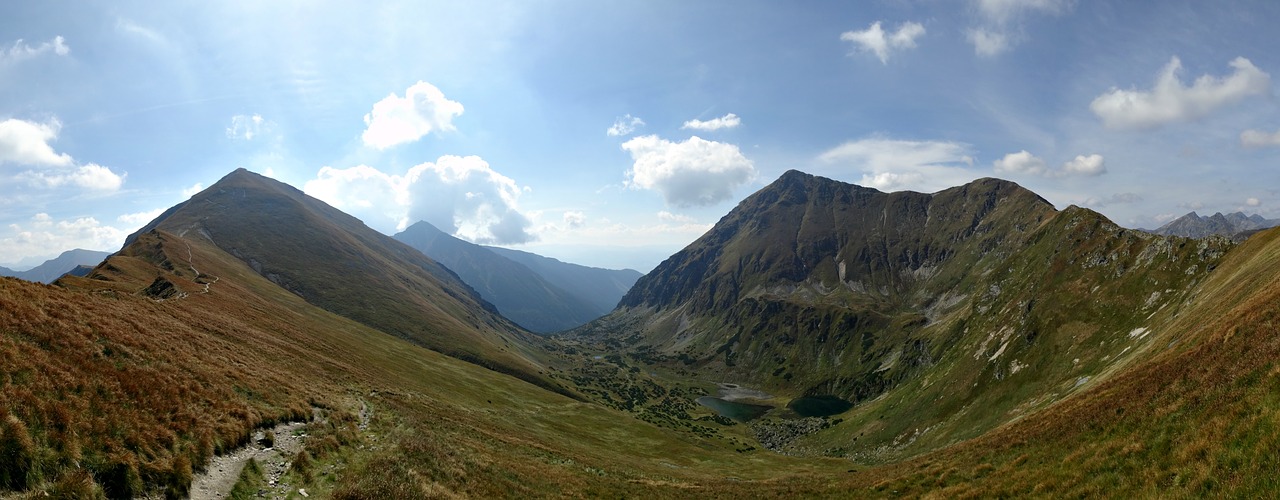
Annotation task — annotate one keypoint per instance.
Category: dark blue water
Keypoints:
(742, 412)
(819, 406)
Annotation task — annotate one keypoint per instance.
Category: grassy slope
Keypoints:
(1201, 416)
(337, 263)
(248, 352)
(944, 316)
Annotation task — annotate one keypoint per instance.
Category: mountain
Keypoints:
(938, 316)
(334, 261)
(519, 293)
(54, 268)
(1236, 225)
(602, 288)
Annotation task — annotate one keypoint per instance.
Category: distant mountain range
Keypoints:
(54, 268)
(538, 293)
(1235, 226)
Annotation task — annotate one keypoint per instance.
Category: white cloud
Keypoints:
(1172, 101)
(21, 50)
(140, 219)
(575, 219)
(195, 188)
(988, 43)
(27, 143)
(1088, 166)
(460, 195)
(669, 217)
(44, 237)
(624, 125)
(248, 126)
(695, 172)
(1253, 202)
(1259, 139)
(397, 120)
(1002, 10)
(727, 121)
(1024, 162)
(875, 40)
(1021, 162)
(89, 176)
(891, 164)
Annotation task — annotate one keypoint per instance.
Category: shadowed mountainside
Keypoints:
(602, 288)
(519, 293)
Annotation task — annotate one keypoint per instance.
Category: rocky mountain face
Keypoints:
(518, 292)
(334, 261)
(1236, 225)
(54, 268)
(602, 288)
(941, 315)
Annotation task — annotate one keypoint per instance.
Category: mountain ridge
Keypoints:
(1237, 225)
(516, 291)
(334, 261)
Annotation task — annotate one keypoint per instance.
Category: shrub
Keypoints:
(302, 465)
(120, 479)
(77, 484)
(18, 467)
(179, 478)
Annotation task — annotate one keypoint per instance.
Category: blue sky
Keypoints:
(614, 133)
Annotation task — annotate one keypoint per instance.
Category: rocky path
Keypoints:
(220, 475)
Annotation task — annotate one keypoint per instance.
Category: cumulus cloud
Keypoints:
(44, 237)
(91, 176)
(727, 121)
(1089, 166)
(988, 43)
(624, 125)
(397, 120)
(195, 188)
(460, 195)
(27, 143)
(139, 219)
(893, 164)
(1172, 101)
(695, 172)
(575, 219)
(1024, 162)
(1259, 139)
(1253, 202)
(21, 50)
(247, 127)
(875, 40)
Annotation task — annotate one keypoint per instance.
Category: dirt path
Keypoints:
(220, 476)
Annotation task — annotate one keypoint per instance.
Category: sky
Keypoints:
(613, 134)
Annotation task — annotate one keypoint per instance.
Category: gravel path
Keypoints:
(220, 475)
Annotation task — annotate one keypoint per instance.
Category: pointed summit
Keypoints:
(336, 262)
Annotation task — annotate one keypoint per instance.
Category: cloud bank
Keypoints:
(397, 120)
(696, 172)
(462, 196)
(1171, 101)
(893, 164)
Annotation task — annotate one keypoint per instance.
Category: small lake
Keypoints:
(741, 412)
(819, 406)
